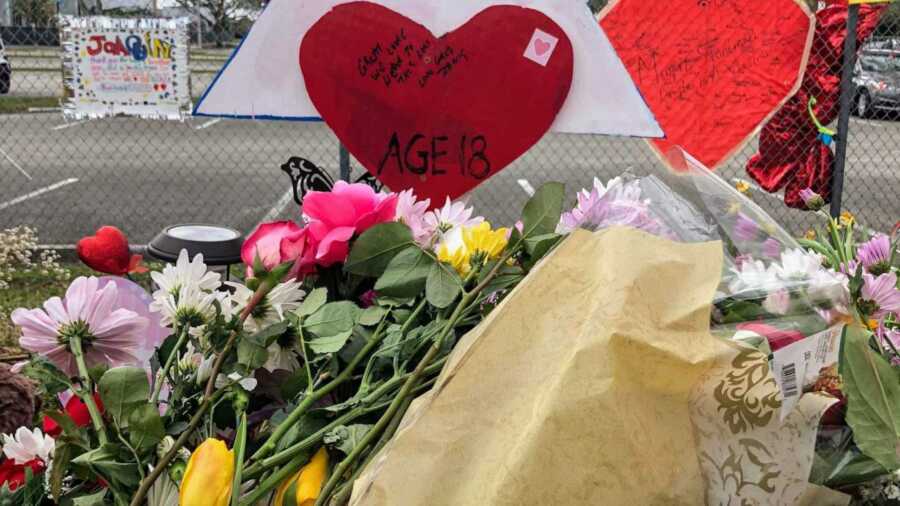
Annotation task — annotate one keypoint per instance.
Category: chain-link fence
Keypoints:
(69, 177)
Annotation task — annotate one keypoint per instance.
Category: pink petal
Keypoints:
(329, 208)
(79, 296)
(385, 211)
(293, 245)
(334, 246)
(266, 242)
(100, 305)
(361, 196)
(35, 322)
(55, 308)
(120, 321)
(118, 356)
(63, 359)
(38, 344)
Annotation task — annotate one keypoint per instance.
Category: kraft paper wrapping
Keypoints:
(582, 388)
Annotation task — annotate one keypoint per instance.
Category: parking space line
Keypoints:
(208, 124)
(70, 124)
(16, 165)
(38, 192)
(526, 187)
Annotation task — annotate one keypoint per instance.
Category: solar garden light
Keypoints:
(220, 246)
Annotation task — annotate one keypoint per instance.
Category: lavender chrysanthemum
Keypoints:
(745, 229)
(879, 295)
(875, 254)
(615, 203)
(108, 335)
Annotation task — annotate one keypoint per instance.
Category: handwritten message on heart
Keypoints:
(711, 71)
(436, 114)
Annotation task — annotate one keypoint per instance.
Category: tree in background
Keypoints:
(222, 15)
(36, 13)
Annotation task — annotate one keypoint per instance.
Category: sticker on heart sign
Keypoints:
(712, 72)
(436, 114)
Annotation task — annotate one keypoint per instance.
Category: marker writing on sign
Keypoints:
(422, 155)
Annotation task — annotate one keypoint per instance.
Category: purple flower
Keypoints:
(108, 335)
(367, 299)
(811, 199)
(879, 295)
(771, 248)
(888, 336)
(875, 254)
(617, 203)
(745, 229)
(412, 211)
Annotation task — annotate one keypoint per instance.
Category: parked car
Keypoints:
(5, 70)
(876, 78)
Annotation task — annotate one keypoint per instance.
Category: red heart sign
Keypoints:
(439, 115)
(711, 71)
(107, 252)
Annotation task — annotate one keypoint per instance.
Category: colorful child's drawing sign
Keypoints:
(134, 67)
(439, 115)
(713, 70)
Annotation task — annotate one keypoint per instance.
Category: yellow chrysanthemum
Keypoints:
(458, 258)
(742, 186)
(847, 219)
(481, 239)
(810, 235)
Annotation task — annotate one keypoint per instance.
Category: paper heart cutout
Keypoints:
(541, 47)
(439, 115)
(107, 251)
(712, 72)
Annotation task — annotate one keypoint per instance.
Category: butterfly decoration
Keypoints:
(307, 176)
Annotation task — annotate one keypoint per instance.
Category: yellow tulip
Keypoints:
(207, 479)
(302, 489)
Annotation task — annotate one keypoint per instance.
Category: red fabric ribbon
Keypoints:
(790, 155)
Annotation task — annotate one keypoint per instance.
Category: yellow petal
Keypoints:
(207, 479)
(312, 476)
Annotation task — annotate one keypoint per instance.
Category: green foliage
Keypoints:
(145, 427)
(376, 247)
(872, 388)
(313, 301)
(48, 377)
(106, 462)
(123, 389)
(405, 274)
(345, 438)
(543, 209)
(332, 325)
(442, 286)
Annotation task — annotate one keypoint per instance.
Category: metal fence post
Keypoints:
(345, 163)
(846, 102)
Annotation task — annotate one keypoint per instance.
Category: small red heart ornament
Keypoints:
(442, 114)
(711, 72)
(107, 251)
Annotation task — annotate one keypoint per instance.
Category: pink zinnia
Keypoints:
(875, 254)
(108, 335)
(879, 295)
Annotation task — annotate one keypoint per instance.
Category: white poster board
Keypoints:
(132, 67)
(262, 80)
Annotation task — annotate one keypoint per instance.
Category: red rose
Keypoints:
(77, 410)
(13, 474)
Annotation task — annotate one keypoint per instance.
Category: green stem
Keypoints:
(274, 480)
(173, 356)
(239, 444)
(86, 392)
(270, 444)
(309, 380)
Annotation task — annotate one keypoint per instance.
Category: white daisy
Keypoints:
(247, 383)
(798, 265)
(753, 275)
(283, 298)
(27, 445)
(281, 358)
(185, 272)
(188, 306)
(452, 215)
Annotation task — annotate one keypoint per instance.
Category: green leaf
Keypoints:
(538, 246)
(372, 315)
(145, 427)
(405, 274)
(95, 499)
(123, 389)
(543, 209)
(294, 384)
(442, 286)
(329, 344)
(346, 437)
(47, 375)
(872, 387)
(104, 461)
(62, 455)
(240, 444)
(269, 334)
(64, 421)
(375, 248)
(313, 301)
(332, 318)
(251, 350)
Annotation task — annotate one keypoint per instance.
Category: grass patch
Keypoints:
(15, 105)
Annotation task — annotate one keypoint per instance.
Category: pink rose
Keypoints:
(276, 243)
(336, 216)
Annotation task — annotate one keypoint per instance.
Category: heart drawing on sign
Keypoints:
(541, 47)
(442, 114)
(711, 72)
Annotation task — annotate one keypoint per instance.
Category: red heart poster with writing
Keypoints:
(436, 114)
(712, 71)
